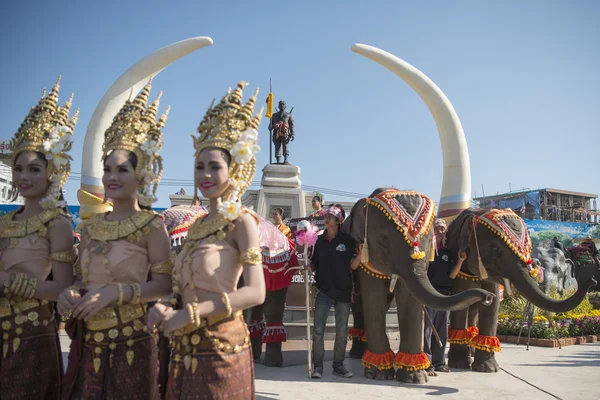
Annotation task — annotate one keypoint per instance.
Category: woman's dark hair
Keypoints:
(279, 211)
(319, 198)
(134, 161)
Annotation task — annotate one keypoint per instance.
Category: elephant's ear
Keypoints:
(357, 221)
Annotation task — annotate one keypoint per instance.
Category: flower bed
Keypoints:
(571, 328)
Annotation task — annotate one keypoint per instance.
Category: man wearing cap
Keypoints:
(333, 259)
(440, 272)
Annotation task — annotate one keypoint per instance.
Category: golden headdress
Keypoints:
(231, 125)
(136, 129)
(48, 130)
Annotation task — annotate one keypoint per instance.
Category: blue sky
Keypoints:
(522, 76)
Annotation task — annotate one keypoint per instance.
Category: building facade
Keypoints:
(547, 204)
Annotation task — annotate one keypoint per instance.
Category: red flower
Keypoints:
(415, 244)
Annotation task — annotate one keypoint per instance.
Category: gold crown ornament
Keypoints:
(48, 130)
(231, 126)
(136, 129)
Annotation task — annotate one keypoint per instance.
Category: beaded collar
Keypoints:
(38, 223)
(98, 228)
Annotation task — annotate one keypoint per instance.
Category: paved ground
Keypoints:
(572, 372)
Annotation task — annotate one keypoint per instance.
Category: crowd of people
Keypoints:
(122, 289)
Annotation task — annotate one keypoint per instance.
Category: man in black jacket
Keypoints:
(334, 257)
(440, 271)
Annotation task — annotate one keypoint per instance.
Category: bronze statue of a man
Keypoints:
(282, 128)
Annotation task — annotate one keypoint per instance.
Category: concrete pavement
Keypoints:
(572, 372)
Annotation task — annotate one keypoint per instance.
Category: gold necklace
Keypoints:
(214, 229)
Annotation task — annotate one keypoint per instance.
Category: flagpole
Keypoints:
(270, 135)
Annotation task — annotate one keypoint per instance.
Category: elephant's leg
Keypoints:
(378, 358)
(256, 326)
(459, 334)
(275, 332)
(411, 361)
(473, 323)
(486, 343)
(357, 332)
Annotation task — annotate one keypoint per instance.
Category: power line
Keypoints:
(173, 182)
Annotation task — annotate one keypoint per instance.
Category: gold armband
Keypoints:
(194, 313)
(251, 256)
(31, 285)
(69, 256)
(164, 267)
(21, 285)
(137, 292)
(227, 303)
(120, 294)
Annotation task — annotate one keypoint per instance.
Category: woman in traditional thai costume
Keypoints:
(123, 264)
(36, 242)
(211, 354)
(317, 205)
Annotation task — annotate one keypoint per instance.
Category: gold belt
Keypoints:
(111, 317)
(17, 305)
(204, 322)
(186, 347)
(26, 316)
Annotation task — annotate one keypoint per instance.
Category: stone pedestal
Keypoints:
(281, 187)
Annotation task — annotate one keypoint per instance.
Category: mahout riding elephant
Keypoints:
(395, 228)
(499, 253)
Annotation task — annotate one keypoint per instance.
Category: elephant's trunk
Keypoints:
(418, 284)
(529, 288)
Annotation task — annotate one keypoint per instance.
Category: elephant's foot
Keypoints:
(459, 356)
(485, 361)
(358, 348)
(256, 347)
(378, 374)
(273, 356)
(402, 375)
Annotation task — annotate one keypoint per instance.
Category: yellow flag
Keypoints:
(269, 113)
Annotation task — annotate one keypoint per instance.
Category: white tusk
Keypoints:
(456, 186)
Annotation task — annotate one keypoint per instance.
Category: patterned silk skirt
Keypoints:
(212, 363)
(116, 362)
(31, 360)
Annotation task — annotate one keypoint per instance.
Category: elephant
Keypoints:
(498, 250)
(559, 272)
(358, 333)
(395, 228)
(266, 320)
(391, 265)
